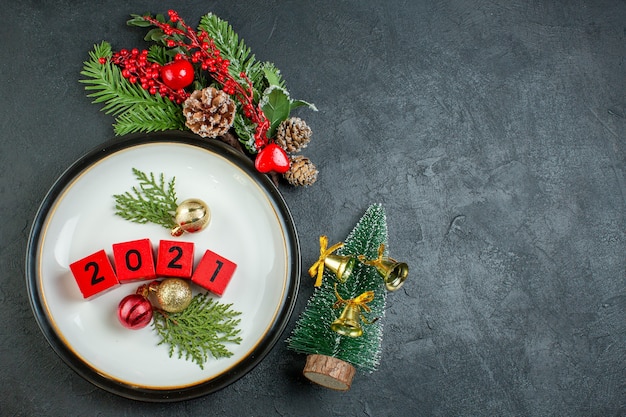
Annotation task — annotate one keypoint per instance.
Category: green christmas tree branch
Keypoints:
(152, 201)
(234, 49)
(135, 109)
(312, 333)
(200, 331)
(269, 86)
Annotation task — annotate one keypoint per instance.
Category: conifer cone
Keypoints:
(293, 134)
(302, 172)
(209, 112)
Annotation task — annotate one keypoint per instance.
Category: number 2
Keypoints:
(176, 258)
(95, 279)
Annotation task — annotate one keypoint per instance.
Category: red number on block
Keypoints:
(134, 260)
(175, 259)
(214, 272)
(94, 274)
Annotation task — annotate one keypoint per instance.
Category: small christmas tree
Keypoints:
(334, 358)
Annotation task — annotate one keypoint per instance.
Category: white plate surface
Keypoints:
(247, 227)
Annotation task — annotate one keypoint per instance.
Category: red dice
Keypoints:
(94, 274)
(213, 272)
(134, 260)
(175, 259)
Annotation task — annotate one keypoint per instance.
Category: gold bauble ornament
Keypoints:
(191, 216)
(174, 295)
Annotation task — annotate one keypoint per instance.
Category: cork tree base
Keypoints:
(329, 372)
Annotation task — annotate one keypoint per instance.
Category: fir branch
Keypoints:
(262, 74)
(245, 130)
(152, 118)
(153, 201)
(199, 331)
(134, 107)
(241, 60)
(232, 48)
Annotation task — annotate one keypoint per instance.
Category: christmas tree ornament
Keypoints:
(302, 172)
(341, 265)
(177, 74)
(209, 112)
(349, 322)
(173, 294)
(134, 311)
(394, 273)
(155, 201)
(293, 135)
(272, 158)
(192, 215)
(333, 359)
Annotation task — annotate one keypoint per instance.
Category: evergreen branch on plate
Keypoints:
(135, 108)
(152, 201)
(200, 331)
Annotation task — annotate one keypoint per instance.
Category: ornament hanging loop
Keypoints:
(394, 273)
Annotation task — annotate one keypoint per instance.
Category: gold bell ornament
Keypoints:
(341, 265)
(349, 322)
(394, 273)
(191, 216)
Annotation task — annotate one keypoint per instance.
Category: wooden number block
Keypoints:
(175, 259)
(94, 274)
(134, 260)
(213, 272)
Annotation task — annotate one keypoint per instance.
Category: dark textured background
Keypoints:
(494, 135)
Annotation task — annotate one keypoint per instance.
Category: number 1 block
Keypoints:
(175, 259)
(134, 260)
(94, 274)
(213, 272)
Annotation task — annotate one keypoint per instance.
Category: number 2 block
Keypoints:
(94, 274)
(175, 259)
(213, 272)
(134, 260)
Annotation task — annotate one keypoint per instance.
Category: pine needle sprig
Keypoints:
(135, 108)
(235, 50)
(152, 201)
(200, 331)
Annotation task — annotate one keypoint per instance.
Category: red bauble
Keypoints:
(134, 311)
(272, 158)
(177, 74)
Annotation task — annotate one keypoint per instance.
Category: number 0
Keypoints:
(137, 259)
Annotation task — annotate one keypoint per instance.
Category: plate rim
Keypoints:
(262, 348)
